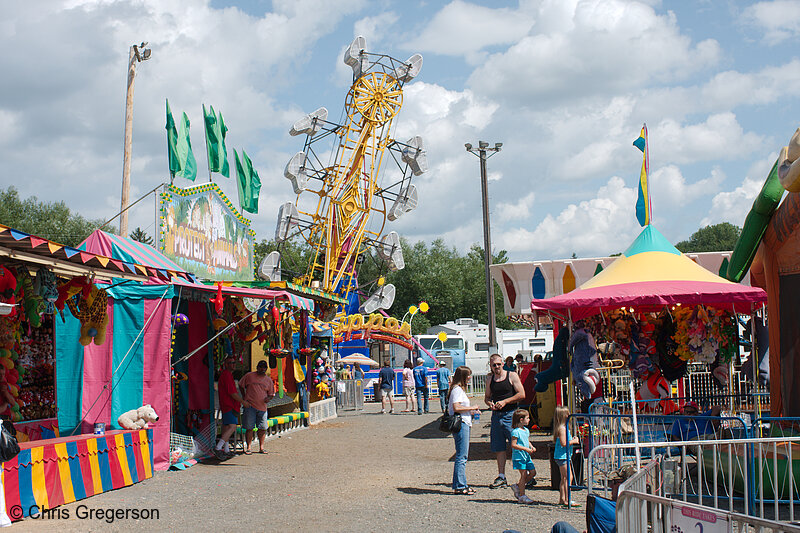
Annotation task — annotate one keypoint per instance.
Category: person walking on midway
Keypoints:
(563, 442)
(443, 382)
(408, 386)
(257, 390)
(521, 451)
(459, 403)
(503, 391)
(230, 402)
(421, 385)
(386, 380)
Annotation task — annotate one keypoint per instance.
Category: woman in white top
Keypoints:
(459, 403)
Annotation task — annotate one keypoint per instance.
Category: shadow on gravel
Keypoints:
(428, 431)
(417, 490)
(494, 500)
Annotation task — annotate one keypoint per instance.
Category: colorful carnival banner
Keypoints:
(58, 471)
(202, 232)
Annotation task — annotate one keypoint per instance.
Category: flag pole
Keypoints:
(647, 163)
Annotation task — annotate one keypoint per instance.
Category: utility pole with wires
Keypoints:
(137, 54)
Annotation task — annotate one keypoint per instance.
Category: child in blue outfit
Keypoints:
(521, 451)
(563, 445)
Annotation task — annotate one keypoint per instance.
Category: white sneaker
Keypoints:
(515, 489)
(383, 411)
(524, 499)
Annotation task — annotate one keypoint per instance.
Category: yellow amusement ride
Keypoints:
(343, 202)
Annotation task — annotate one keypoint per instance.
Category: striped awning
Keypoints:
(68, 261)
(120, 248)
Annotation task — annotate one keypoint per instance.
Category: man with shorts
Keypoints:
(229, 404)
(257, 390)
(386, 380)
(503, 391)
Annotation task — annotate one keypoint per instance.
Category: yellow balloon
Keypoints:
(6, 362)
(424, 307)
(442, 336)
(381, 281)
(413, 309)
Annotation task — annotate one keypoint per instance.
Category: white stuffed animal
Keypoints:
(137, 418)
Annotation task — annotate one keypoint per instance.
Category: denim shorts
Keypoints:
(560, 462)
(254, 418)
(230, 417)
(500, 433)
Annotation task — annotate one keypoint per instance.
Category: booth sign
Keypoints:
(202, 232)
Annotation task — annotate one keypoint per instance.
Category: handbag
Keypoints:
(450, 423)
(9, 448)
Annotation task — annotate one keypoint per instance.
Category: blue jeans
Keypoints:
(443, 399)
(462, 451)
(421, 391)
(563, 527)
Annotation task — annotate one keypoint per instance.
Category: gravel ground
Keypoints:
(360, 472)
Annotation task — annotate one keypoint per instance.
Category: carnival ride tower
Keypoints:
(343, 204)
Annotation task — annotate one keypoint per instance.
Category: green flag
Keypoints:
(223, 130)
(172, 147)
(248, 181)
(255, 185)
(185, 153)
(241, 179)
(215, 142)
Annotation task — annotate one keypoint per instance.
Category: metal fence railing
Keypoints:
(643, 506)
(349, 394)
(749, 476)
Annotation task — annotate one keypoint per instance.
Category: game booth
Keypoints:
(652, 311)
(192, 326)
(45, 287)
(88, 337)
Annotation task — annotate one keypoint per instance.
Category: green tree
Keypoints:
(717, 238)
(141, 236)
(50, 220)
(295, 257)
(453, 284)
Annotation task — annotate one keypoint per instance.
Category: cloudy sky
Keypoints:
(565, 85)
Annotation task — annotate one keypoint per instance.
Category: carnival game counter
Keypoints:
(53, 472)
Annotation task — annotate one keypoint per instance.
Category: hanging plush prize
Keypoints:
(91, 311)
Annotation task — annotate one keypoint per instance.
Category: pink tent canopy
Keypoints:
(648, 276)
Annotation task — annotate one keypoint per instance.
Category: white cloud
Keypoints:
(733, 206)
(373, 29)
(461, 28)
(569, 61)
(720, 136)
(599, 226)
(671, 192)
(778, 19)
(516, 210)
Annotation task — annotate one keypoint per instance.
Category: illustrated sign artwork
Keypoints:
(204, 234)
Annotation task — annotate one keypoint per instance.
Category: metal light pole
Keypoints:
(137, 54)
(484, 152)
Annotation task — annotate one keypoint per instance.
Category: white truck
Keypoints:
(509, 342)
